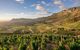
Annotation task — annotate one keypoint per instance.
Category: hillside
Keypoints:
(69, 16)
(69, 19)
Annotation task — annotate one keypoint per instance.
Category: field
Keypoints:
(39, 42)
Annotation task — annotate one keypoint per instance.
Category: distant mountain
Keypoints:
(68, 16)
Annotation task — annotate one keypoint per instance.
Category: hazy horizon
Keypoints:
(10, 9)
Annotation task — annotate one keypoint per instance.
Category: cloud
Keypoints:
(10, 16)
(43, 2)
(57, 2)
(39, 14)
(60, 4)
(46, 4)
(34, 5)
(40, 8)
(16, 14)
(25, 7)
(76, 2)
(62, 7)
(20, 1)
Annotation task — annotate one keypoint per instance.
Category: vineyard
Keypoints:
(39, 42)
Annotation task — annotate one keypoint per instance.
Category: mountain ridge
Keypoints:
(56, 18)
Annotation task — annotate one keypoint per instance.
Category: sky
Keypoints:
(10, 9)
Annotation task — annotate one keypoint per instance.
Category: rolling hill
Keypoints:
(69, 18)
